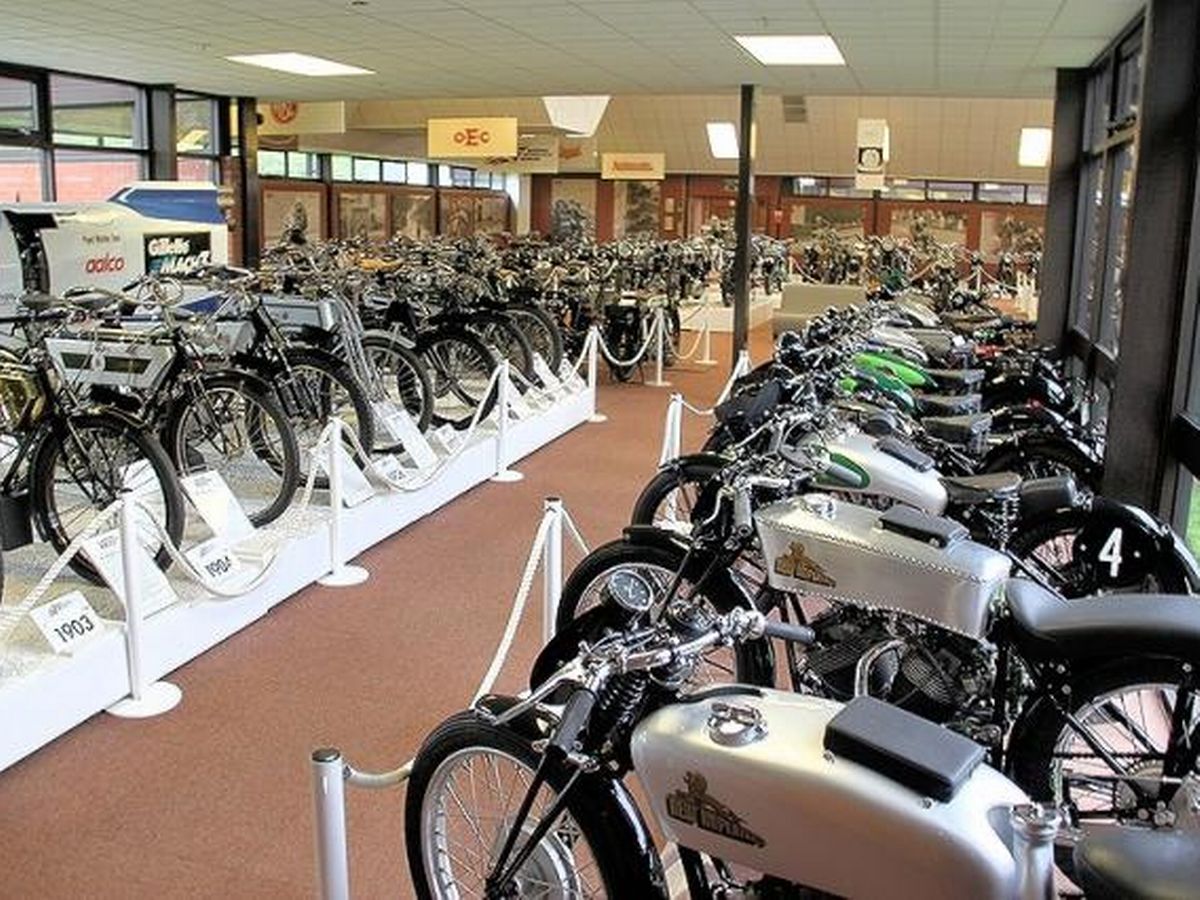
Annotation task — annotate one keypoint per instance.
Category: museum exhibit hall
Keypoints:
(570, 449)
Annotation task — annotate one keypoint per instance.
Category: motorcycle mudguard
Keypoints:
(611, 803)
(1018, 389)
(688, 459)
(1086, 468)
(398, 336)
(1025, 417)
(1123, 544)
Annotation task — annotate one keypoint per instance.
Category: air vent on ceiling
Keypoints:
(795, 109)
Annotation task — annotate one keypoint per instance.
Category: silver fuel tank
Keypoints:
(780, 804)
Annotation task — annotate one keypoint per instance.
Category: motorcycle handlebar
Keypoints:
(797, 634)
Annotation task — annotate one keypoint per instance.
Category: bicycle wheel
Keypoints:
(326, 388)
(460, 368)
(405, 378)
(542, 331)
(505, 336)
(233, 427)
(85, 463)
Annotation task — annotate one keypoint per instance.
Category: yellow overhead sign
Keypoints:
(633, 166)
(475, 138)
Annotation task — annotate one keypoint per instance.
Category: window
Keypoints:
(18, 106)
(905, 189)
(394, 171)
(366, 169)
(844, 187)
(951, 190)
(102, 114)
(20, 174)
(810, 187)
(418, 173)
(303, 165)
(272, 163)
(483, 179)
(81, 175)
(461, 178)
(342, 167)
(196, 130)
(1036, 194)
(990, 192)
(1121, 192)
(199, 168)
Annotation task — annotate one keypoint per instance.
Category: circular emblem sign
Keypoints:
(283, 113)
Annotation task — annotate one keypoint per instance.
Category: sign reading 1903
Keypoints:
(177, 254)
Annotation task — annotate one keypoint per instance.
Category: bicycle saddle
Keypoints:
(90, 299)
(37, 301)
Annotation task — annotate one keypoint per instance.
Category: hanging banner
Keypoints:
(577, 155)
(323, 117)
(536, 154)
(475, 138)
(873, 152)
(633, 166)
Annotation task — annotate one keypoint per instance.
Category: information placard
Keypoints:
(217, 506)
(217, 563)
(399, 425)
(104, 551)
(67, 623)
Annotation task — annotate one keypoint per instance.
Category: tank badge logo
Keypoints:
(797, 564)
(695, 807)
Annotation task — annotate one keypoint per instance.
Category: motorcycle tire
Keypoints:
(93, 430)
(753, 661)
(542, 331)
(460, 367)
(601, 823)
(502, 333)
(331, 376)
(405, 378)
(685, 479)
(1036, 751)
(272, 441)
(622, 344)
(1044, 461)
(1054, 537)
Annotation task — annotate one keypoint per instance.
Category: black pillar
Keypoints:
(1054, 289)
(251, 198)
(164, 164)
(1157, 254)
(741, 224)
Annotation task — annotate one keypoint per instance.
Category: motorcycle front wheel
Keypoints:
(467, 781)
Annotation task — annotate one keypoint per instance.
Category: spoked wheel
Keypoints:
(322, 389)
(507, 340)
(1134, 733)
(670, 498)
(460, 369)
(542, 331)
(80, 468)
(621, 571)
(467, 783)
(231, 427)
(405, 379)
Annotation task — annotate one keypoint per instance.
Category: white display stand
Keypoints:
(63, 691)
(719, 318)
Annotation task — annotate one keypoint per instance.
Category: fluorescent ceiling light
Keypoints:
(722, 140)
(792, 49)
(1034, 151)
(299, 64)
(577, 115)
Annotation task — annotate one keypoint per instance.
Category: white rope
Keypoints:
(679, 354)
(518, 609)
(695, 410)
(637, 358)
(575, 532)
(592, 335)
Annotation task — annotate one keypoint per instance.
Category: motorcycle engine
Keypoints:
(930, 672)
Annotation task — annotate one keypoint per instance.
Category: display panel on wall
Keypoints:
(1010, 231)
(636, 205)
(572, 208)
(491, 214)
(457, 213)
(301, 211)
(413, 214)
(807, 220)
(929, 223)
(362, 214)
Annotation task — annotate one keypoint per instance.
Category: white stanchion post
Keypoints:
(341, 573)
(552, 568)
(660, 347)
(329, 807)
(673, 430)
(593, 367)
(503, 474)
(144, 699)
(706, 343)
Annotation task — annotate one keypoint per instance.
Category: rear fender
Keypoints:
(1124, 543)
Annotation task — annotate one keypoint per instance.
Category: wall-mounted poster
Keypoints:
(458, 214)
(298, 213)
(362, 215)
(1011, 231)
(926, 223)
(572, 208)
(413, 214)
(635, 213)
(491, 214)
(806, 220)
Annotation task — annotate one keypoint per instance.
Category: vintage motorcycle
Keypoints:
(765, 794)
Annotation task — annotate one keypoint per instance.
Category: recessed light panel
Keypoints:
(722, 140)
(299, 64)
(579, 116)
(792, 49)
(1034, 151)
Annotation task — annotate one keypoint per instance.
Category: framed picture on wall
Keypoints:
(362, 214)
(635, 212)
(1011, 231)
(491, 214)
(413, 214)
(807, 220)
(572, 208)
(924, 223)
(300, 211)
(458, 214)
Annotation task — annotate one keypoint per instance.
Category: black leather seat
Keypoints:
(955, 379)
(39, 302)
(947, 404)
(1041, 495)
(968, 430)
(1047, 625)
(1114, 862)
(971, 489)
